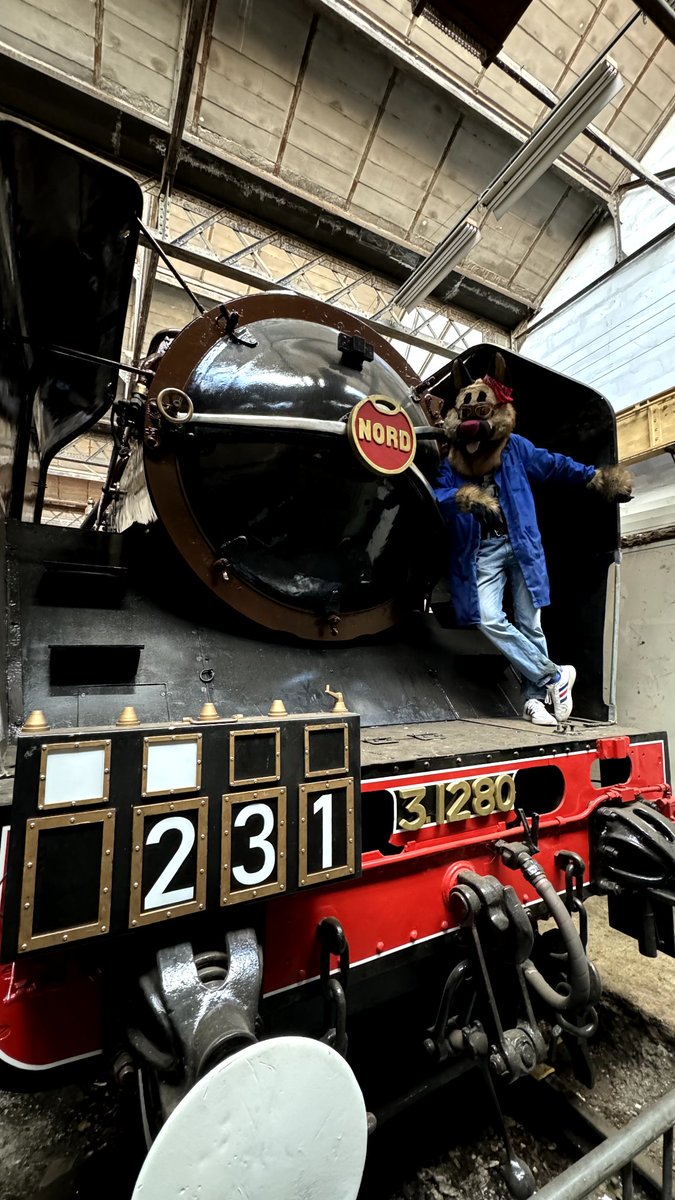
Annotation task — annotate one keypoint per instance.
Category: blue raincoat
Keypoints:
(522, 463)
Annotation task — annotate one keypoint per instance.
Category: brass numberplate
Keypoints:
(149, 855)
(449, 801)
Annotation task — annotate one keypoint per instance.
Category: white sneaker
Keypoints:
(536, 712)
(560, 693)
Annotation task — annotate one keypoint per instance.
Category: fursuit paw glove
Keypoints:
(613, 483)
(473, 500)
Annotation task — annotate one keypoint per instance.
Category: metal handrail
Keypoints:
(616, 1155)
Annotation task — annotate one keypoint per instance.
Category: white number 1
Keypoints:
(324, 805)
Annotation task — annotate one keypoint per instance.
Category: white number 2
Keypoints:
(259, 841)
(324, 805)
(158, 897)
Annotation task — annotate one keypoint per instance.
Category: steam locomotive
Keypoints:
(275, 841)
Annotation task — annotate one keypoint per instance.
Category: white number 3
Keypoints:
(259, 841)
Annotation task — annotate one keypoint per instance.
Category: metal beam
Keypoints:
(251, 248)
(123, 135)
(98, 41)
(647, 428)
(202, 227)
(342, 291)
(618, 1150)
(595, 135)
(251, 279)
(372, 134)
(433, 178)
(195, 17)
(310, 265)
(661, 13)
(402, 51)
(204, 64)
(631, 184)
(195, 14)
(290, 116)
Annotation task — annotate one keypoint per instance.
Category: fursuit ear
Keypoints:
(460, 376)
(500, 368)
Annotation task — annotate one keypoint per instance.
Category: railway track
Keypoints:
(548, 1110)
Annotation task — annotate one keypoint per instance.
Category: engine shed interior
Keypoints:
(287, 847)
(128, 599)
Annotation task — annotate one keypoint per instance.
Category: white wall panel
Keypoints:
(646, 695)
(619, 336)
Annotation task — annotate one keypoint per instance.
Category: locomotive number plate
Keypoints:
(274, 808)
(453, 800)
(255, 847)
(168, 875)
(254, 844)
(326, 831)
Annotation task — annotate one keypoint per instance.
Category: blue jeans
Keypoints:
(522, 642)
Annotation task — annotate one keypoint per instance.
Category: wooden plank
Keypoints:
(392, 180)
(243, 137)
(274, 34)
(51, 38)
(523, 48)
(301, 166)
(140, 47)
(445, 52)
(374, 206)
(346, 73)
(77, 14)
(550, 30)
(417, 121)
(512, 98)
(327, 120)
(317, 142)
(42, 54)
(256, 107)
(229, 70)
(160, 18)
(146, 87)
(397, 14)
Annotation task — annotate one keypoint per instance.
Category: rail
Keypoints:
(615, 1156)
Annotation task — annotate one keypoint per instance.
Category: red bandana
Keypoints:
(503, 394)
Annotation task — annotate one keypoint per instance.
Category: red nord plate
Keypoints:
(382, 435)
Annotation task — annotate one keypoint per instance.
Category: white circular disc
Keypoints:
(282, 1119)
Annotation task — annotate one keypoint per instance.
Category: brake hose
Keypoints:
(516, 857)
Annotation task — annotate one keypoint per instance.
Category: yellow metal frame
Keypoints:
(59, 937)
(242, 733)
(341, 872)
(168, 740)
(233, 800)
(309, 730)
(52, 749)
(198, 804)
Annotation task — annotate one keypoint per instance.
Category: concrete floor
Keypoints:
(646, 983)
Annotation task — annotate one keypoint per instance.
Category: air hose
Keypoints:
(516, 856)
